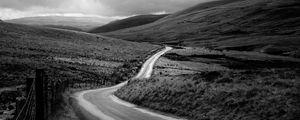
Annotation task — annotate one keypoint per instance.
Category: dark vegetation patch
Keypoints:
(244, 48)
(247, 94)
(175, 56)
(268, 49)
(234, 62)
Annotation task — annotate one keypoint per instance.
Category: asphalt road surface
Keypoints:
(101, 104)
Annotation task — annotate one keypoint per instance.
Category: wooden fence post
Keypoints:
(46, 103)
(29, 82)
(40, 100)
(53, 92)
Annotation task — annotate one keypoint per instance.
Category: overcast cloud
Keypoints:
(109, 8)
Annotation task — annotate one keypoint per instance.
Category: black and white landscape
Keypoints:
(150, 60)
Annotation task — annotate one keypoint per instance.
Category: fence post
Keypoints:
(46, 103)
(29, 82)
(40, 100)
(53, 92)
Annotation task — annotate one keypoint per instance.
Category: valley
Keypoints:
(268, 26)
(216, 60)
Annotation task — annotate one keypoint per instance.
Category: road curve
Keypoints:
(103, 105)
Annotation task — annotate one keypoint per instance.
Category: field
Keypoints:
(199, 83)
(66, 55)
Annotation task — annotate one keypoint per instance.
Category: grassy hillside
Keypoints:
(203, 84)
(24, 48)
(74, 56)
(84, 23)
(270, 26)
(202, 6)
(127, 23)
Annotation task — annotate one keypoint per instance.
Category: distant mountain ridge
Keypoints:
(64, 27)
(127, 23)
(83, 23)
(271, 26)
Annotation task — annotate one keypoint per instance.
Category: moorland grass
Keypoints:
(221, 95)
(71, 56)
(227, 85)
(25, 48)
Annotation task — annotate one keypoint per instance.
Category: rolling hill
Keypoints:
(270, 26)
(74, 54)
(127, 23)
(83, 23)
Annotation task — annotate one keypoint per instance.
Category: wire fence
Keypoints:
(44, 96)
(27, 110)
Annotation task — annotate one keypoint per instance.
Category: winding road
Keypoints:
(101, 104)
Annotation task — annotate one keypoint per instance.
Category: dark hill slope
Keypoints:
(127, 23)
(84, 23)
(203, 6)
(271, 26)
(77, 55)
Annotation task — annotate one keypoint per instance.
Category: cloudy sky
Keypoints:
(10, 9)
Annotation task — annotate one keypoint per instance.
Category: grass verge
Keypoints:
(220, 88)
